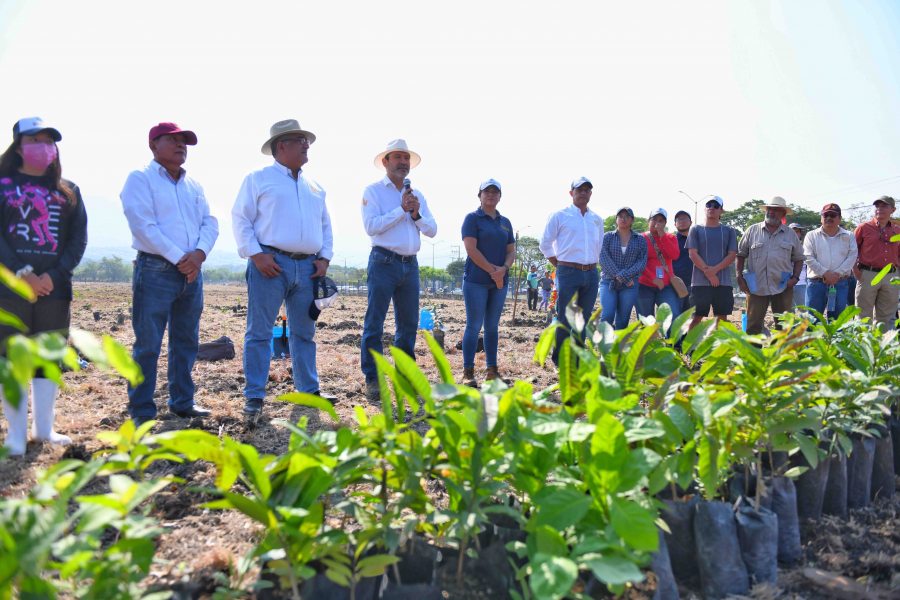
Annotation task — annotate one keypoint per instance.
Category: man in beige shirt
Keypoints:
(774, 258)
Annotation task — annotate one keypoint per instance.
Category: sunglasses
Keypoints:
(830, 215)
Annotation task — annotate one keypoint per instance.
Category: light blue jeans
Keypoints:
(617, 304)
(292, 286)
(484, 304)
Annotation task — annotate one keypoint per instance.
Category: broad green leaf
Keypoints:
(545, 344)
(19, 286)
(312, 401)
(634, 524)
(552, 577)
(560, 507)
(11, 320)
(613, 569)
(407, 367)
(881, 275)
(120, 360)
(372, 566)
(440, 360)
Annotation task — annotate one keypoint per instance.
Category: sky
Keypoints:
(742, 99)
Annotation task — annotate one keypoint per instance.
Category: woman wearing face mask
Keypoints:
(42, 240)
(623, 257)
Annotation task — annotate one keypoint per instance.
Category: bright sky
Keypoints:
(744, 99)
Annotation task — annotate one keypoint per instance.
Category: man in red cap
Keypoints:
(173, 232)
(877, 251)
(830, 255)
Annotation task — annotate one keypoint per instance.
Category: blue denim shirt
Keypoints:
(628, 265)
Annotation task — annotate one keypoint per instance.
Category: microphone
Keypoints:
(407, 186)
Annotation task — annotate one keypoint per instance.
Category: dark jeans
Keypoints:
(163, 297)
(817, 296)
(571, 281)
(532, 298)
(389, 279)
(484, 304)
(651, 297)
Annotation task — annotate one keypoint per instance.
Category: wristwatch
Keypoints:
(26, 270)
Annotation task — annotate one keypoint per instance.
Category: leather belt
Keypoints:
(876, 269)
(572, 265)
(141, 253)
(822, 279)
(294, 255)
(394, 255)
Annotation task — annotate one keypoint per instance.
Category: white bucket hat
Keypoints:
(282, 128)
(398, 145)
(778, 202)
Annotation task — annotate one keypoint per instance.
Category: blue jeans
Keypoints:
(162, 296)
(293, 287)
(617, 304)
(649, 297)
(484, 303)
(571, 281)
(817, 296)
(389, 279)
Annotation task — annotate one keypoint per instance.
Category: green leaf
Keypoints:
(613, 569)
(120, 360)
(881, 274)
(440, 360)
(255, 510)
(312, 401)
(559, 507)
(545, 344)
(372, 566)
(11, 320)
(19, 286)
(552, 577)
(634, 524)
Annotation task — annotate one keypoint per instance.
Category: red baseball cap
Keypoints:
(832, 207)
(190, 138)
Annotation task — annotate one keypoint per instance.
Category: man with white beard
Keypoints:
(774, 258)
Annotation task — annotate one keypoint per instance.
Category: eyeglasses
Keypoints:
(830, 215)
(300, 140)
(712, 205)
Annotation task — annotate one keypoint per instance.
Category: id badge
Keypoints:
(659, 272)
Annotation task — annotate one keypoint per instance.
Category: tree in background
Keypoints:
(455, 270)
(750, 212)
(640, 224)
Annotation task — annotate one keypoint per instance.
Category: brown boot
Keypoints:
(491, 373)
(469, 378)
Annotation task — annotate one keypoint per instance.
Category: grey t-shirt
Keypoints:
(712, 244)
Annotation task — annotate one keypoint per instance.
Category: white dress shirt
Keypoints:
(825, 253)
(573, 237)
(274, 209)
(389, 225)
(167, 217)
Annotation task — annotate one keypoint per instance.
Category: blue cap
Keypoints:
(490, 182)
(582, 181)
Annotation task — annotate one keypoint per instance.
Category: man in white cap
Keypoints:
(173, 232)
(394, 215)
(571, 243)
(773, 256)
(281, 224)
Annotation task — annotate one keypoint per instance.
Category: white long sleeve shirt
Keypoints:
(389, 225)
(573, 237)
(823, 252)
(274, 209)
(167, 217)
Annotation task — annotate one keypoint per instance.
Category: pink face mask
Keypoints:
(38, 156)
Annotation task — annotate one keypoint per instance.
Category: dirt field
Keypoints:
(94, 401)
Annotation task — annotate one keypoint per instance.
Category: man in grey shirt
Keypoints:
(774, 258)
(712, 248)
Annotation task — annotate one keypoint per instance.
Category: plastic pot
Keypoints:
(722, 571)
(784, 505)
(811, 486)
(883, 467)
(859, 472)
(666, 588)
(835, 501)
(679, 516)
(758, 536)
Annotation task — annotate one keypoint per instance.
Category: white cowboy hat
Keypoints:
(778, 202)
(284, 127)
(398, 145)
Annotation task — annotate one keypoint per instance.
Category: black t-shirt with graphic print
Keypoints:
(41, 228)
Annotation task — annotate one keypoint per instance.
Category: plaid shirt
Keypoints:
(629, 264)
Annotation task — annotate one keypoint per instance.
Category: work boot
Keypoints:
(491, 373)
(43, 403)
(17, 425)
(373, 393)
(252, 412)
(469, 377)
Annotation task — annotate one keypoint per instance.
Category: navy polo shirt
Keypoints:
(682, 266)
(493, 235)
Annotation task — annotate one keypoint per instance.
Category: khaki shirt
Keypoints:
(770, 256)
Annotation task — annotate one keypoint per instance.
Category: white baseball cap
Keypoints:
(659, 211)
(582, 181)
(490, 182)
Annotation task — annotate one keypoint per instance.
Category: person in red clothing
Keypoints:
(876, 251)
(655, 287)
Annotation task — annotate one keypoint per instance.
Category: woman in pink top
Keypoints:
(655, 287)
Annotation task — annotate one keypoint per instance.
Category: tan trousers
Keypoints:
(758, 305)
(881, 298)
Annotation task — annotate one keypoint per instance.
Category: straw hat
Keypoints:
(398, 145)
(778, 202)
(284, 127)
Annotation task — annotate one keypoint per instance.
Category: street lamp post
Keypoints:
(692, 200)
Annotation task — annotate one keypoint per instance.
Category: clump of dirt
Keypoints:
(350, 339)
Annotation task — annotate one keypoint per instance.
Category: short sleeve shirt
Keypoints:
(770, 256)
(492, 235)
(712, 244)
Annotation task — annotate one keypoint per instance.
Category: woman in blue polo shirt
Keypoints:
(491, 251)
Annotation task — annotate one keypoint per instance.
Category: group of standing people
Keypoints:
(282, 227)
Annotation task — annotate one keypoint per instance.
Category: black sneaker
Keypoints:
(194, 411)
(331, 398)
(373, 393)
(252, 411)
